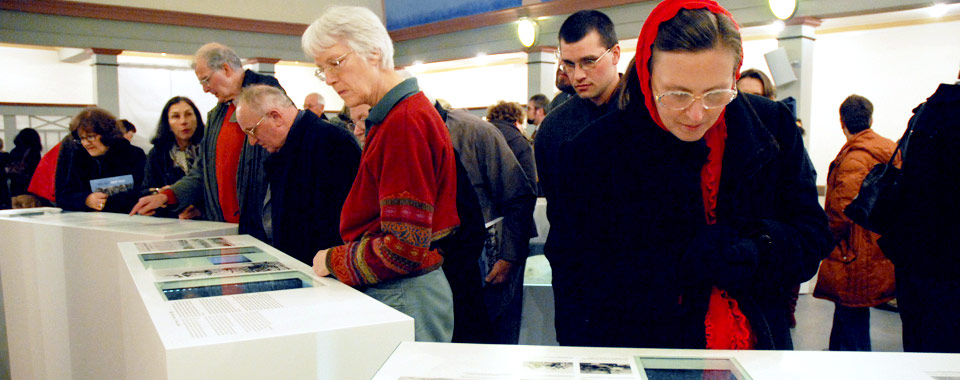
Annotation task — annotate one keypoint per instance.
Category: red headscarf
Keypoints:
(717, 135)
(725, 325)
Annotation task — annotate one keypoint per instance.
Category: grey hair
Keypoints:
(359, 28)
(214, 55)
(261, 98)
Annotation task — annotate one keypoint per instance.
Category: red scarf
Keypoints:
(725, 325)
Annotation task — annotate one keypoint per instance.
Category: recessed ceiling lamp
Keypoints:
(527, 31)
(938, 10)
(783, 9)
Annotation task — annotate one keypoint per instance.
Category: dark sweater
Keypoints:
(74, 175)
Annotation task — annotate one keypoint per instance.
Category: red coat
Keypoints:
(403, 199)
(856, 274)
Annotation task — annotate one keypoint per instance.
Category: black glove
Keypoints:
(719, 256)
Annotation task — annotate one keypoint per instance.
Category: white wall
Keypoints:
(38, 76)
(896, 68)
(477, 87)
(299, 81)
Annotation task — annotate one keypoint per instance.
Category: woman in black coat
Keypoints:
(695, 206)
(23, 160)
(106, 174)
(174, 149)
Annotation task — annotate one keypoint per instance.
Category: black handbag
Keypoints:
(875, 205)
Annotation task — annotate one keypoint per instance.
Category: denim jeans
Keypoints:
(425, 298)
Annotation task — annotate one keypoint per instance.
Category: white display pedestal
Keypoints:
(60, 274)
(234, 329)
(446, 361)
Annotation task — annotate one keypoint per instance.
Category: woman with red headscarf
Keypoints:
(696, 208)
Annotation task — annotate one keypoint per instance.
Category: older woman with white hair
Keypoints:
(404, 197)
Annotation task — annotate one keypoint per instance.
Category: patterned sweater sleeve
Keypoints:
(409, 171)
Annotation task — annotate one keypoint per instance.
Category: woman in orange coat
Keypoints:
(856, 275)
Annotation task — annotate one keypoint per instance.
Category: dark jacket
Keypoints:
(74, 175)
(309, 177)
(199, 187)
(924, 242)
(521, 149)
(625, 276)
(159, 172)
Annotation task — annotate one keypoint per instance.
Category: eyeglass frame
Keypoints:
(733, 91)
(206, 81)
(252, 131)
(583, 62)
(321, 73)
(88, 138)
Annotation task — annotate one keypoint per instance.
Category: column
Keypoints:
(9, 133)
(106, 88)
(798, 39)
(265, 66)
(541, 74)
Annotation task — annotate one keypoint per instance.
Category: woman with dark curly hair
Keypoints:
(174, 149)
(508, 117)
(106, 155)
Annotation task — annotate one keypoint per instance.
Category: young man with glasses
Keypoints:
(228, 178)
(309, 171)
(588, 56)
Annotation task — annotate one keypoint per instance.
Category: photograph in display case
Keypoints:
(678, 368)
(221, 271)
(224, 286)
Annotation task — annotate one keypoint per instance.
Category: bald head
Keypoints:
(314, 102)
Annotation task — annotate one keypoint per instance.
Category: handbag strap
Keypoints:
(905, 139)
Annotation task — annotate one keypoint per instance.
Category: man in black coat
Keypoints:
(923, 245)
(310, 170)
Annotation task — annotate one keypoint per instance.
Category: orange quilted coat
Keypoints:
(856, 274)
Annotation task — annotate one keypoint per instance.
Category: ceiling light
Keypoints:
(527, 31)
(783, 9)
(938, 10)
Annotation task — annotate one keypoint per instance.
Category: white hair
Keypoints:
(359, 28)
(262, 98)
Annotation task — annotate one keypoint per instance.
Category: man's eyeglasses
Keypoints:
(680, 100)
(321, 72)
(254, 129)
(205, 81)
(586, 64)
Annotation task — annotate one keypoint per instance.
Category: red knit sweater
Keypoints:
(404, 198)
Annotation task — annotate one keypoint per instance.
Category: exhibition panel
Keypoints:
(234, 308)
(436, 361)
(60, 274)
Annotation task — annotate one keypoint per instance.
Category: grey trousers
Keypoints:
(425, 298)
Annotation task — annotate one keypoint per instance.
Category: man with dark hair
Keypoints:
(566, 90)
(536, 112)
(854, 285)
(856, 115)
(537, 109)
(588, 56)
(923, 246)
(228, 177)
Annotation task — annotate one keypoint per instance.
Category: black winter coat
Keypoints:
(636, 205)
(159, 172)
(310, 177)
(74, 175)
